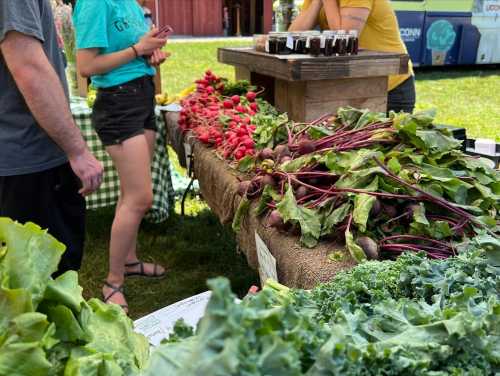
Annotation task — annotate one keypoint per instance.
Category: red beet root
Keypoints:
(376, 208)
(306, 147)
(243, 187)
(390, 211)
(235, 99)
(275, 220)
(268, 180)
(281, 151)
(301, 192)
(266, 153)
(369, 246)
(285, 159)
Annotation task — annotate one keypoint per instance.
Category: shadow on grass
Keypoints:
(193, 249)
(446, 72)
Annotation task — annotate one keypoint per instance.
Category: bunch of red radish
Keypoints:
(218, 121)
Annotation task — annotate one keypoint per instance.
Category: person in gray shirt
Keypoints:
(46, 168)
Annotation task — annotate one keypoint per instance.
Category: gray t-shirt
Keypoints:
(24, 146)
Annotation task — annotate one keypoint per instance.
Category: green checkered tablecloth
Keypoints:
(109, 192)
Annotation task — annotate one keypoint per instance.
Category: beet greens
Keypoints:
(382, 186)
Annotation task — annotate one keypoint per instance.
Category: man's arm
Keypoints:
(308, 18)
(43, 92)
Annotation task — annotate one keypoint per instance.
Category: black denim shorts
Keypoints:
(124, 111)
(403, 97)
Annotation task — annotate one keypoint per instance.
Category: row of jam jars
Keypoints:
(277, 44)
(340, 43)
(330, 43)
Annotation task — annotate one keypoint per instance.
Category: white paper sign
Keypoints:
(289, 42)
(267, 263)
(160, 324)
(173, 107)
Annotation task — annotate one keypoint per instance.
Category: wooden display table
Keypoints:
(308, 87)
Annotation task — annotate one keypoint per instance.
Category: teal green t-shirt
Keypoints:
(111, 26)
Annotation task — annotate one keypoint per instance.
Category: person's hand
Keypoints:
(148, 44)
(89, 170)
(158, 57)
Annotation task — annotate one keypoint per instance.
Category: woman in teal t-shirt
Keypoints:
(118, 51)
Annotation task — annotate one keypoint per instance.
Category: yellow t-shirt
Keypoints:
(381, 31)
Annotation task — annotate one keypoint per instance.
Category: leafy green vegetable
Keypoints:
(46, 327)
(363, 204)
(412, 316)
(307, 218)
(243, 209)
(335, 217)
(246, 164)
(391, 165)
(269, 194)
(270, 131)
(355, 250)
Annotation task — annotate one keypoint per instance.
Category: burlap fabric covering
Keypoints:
(218, 185)
(297, 266)
(175, 135)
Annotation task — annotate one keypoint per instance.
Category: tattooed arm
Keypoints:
(345, 18)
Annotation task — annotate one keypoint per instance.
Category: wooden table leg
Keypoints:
(308, 100)
(259, 80)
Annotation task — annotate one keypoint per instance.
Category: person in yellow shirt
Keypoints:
(378, 30)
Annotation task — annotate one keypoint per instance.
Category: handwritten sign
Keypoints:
(158, 325)
(267, 263)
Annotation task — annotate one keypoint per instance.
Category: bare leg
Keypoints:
(131, 160)
(132, 255)
(151, 140)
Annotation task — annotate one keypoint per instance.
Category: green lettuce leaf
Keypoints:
(22, 352)
(30, 259)
(65, 290)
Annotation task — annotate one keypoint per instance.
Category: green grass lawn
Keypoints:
(193, 249)
(197, 247)
(468, 98)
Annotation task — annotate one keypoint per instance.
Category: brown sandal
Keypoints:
(142, 272)
(114, 290)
